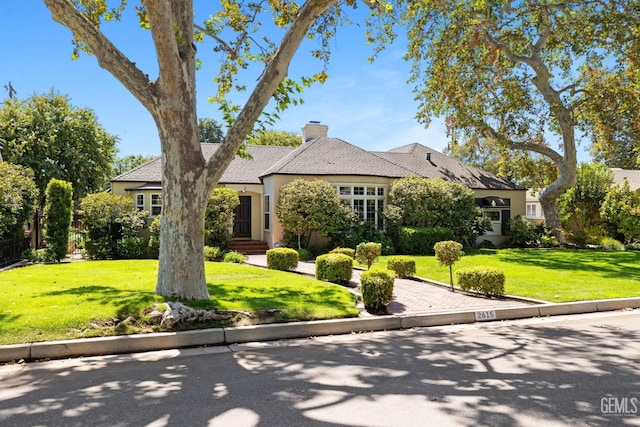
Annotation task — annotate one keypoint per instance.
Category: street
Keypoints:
(558, 371)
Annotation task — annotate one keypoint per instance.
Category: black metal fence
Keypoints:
(11, 251)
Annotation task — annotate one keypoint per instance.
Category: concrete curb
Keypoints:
(236, 335)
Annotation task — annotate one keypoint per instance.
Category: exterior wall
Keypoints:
(517, 207)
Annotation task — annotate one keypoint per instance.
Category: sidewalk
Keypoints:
(414, 297)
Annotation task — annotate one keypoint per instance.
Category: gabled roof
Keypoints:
(333, 156)
(426, 162)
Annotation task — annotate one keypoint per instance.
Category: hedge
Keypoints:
(420, 240)
(377, 289)
(403, 266)
(335, 268)
(486, 280)
(283, 259)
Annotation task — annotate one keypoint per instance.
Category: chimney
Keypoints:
(313, 130)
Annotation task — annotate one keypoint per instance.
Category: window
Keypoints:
(495, 216)
(531, 210)
(156, 204)
(267, 212)
(140, 202)
(367, 201)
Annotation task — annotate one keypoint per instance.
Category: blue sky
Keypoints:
(368, 105)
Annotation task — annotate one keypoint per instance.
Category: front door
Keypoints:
(242, 221)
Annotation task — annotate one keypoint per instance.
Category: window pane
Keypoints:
(371, 210)
(358, 205)
(371, 191)
(345, 191)
(493, 215)
(380, 191)
(267, 221)
(358, 191)
(156, 210)
(267, 207)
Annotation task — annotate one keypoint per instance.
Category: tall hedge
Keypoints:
(58, 212)
(420, 240)
(219, 217)
(18, 198)
(435, 203)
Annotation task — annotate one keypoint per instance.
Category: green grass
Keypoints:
(63, 301)
(548, 274)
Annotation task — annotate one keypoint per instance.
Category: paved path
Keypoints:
(413, 297)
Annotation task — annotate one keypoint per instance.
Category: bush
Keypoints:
(345, 251)
(377, 289)
(39, 255)
(219, 216)
(212, 253)
(234, 257)
(548, 240)
(110, 221)
(58, 211)
(283, 259)
(404, 266)
(420, 240)
(522, 232)
(304, 254)
(18, 199)
(609, 244)
(131, 247)
(154, 237)
(335, 268)
(486, 280)
(368, 253)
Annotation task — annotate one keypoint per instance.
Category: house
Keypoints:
(534, 207)
(361, 178)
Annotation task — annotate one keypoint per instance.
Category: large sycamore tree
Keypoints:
(524, 74)
(170, 97)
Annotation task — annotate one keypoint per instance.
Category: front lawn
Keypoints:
(91, 298)
(555, 275)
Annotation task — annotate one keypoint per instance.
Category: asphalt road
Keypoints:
(573, 370)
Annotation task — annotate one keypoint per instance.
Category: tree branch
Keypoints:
(108, 56)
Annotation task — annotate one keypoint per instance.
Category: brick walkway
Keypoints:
(413, 297)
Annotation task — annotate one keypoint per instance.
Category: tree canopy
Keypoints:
(18, 198)
(57, 141)
(126, 163)
(524, 74)
(274, 137)
(256, 37)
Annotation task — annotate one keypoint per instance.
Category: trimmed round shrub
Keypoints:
(335, 268)
(283, 259)
(345, 251)
(376, 287)
(234, 257)
(404, 266)
(212, 253)
(368, 253)
(609, 244)
(486, 280)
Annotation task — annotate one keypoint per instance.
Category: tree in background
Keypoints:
(210, 131)
(621, 212)
(275, 138)
(235, 30)
(58, 213)
(57, 141)
(218, 222)
(524, 74)
(125, 164)
(18, 199)
(580, 206)
(306, 206)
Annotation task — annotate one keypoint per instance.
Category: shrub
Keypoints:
(282, 259)
(368, 253)
(110, 219)
(486, 280)
(420, 240)
(304, 254)
(130, 247)
(212, 253)
(609, 244)
(404, 266)
(39, 255)
(448, 252)
(345, 251)
(377, 289)
(548, 240)
(18, 198)
(522, 232)
(154, 237)
(219, 216)
(335, 268)
(234, 257)
(58, 211)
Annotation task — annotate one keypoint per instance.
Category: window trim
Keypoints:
(140, 207)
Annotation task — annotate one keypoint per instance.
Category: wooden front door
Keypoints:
(242, 221)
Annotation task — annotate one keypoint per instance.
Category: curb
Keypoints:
(241, 334)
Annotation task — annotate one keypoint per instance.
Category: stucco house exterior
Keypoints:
(361, 178)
